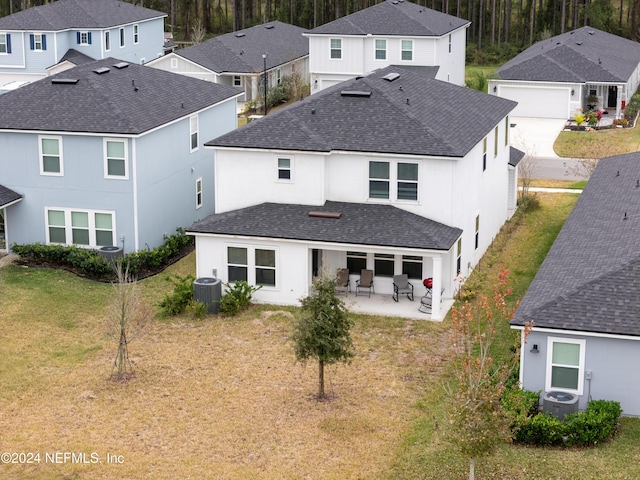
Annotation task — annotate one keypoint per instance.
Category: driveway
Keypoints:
(535, 136)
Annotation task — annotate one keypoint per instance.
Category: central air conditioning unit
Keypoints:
(110, 253)
(208, 290)
(560, 404)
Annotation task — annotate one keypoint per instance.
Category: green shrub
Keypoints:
(182, 296)
(237, 297)
(541, 430)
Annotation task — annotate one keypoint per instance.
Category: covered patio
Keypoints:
(7, 198)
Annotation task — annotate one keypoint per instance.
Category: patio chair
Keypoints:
(402, 286)
(365, 282)
(343, 284)
(426, 301)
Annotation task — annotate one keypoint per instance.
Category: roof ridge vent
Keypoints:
(355, 93)
(101, 70)
(240, 34)
(121, 65)
(64, 81)
(390, 77)
(320, 214)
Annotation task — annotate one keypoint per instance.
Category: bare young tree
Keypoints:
(198, 32)
(127, 317)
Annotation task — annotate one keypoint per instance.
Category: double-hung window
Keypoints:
(107, 41)
(565, 364)
(83, 38)
(121, 37)
(506, 131)
(136, 33)
(237, 79)
(87, 228)
(5, 43)
(115, 159)
(259, 268)
(484, 154)
(381, 49)
(199, 193)
(495, 141)
(356, 262)
(237, 265)
(38, 41)
(449, 43)
(477, 244)
(383, 264)
(193, 132)
(51, 156)
(378, 179)
(407, 50)
(407, 181)
(412, 266)
(336, 48)
(284, 169)
(459, 257)
(265, 267)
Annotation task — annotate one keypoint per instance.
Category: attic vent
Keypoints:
(318, 214)
(240, 35)
(64, 81)
(121, 65)
(268, 27)
(355, 93)
(390, 77)
(101, 70)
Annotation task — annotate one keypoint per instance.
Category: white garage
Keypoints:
(537, 102)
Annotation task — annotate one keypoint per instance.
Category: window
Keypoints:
(121, 37)
(565, 364)
(107, 41)
(199, 193)
(484, 154)
(174, 63)
(383, 265)
(51, 156)
(495, 141)
(284, 169)
(506, 131)
(38, 41)
(378, 179)
(115, 159)
(336, 48)
(407, 50)
(88, 228)
(412, 266)
(407, 181)
(449, 43)
(83, 38)
(193, 132)
(381, 49)
(136, 33)
(5, 43)
(278, 76)
(237, 80)
(477, 231)
(237, 264)
(265, 267)
(459, 257)
(356, 262)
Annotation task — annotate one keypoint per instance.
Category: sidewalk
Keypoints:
(553, 190)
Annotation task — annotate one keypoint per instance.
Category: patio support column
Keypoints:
(437, 287)
(254, 87)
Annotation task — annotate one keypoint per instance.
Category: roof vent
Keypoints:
(121, 65)
(101, 70)
(268, 27)
(578, 43)
(395, 2)
(64, 81)
(591, 32)
(317, 214)
(390, 77)
(240, 34)
(355, 93)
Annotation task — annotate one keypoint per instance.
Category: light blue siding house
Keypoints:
(109, 153)
(34, 40)
(585, 298)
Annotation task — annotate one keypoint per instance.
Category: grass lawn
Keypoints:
(224, 398)
(597, 144)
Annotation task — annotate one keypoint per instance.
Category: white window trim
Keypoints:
(174, 63)
(40, 155)
(121, 37)
(126, 159)
(199, 199)
(340, 49)
(393, 182)
(35, 48)
(107, 41)
(68, 228)
(192, 132)
(375, 50)
(581, 366)
(284, 180)
(251, 263)
(239, 78)
(86, 35)
(404, 50)
(136, 34)
(6, 47)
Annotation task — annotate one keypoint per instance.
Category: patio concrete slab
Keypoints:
(536, 136)
(384, 305)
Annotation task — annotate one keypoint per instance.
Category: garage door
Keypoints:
(538, 102)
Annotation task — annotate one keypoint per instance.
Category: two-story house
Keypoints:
(394, 172)
(39, 37)
(393, 32)
(109, 153)
(240, 58)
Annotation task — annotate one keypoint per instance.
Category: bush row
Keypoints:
(89, 263)
(632, 108)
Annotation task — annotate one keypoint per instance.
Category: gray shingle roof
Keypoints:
(360, 224)
(241, 51)
(8, 196)
(74, 56)
(413, 114)
(129, 100)
(515, 156)
(583, 55)
(590, 280)
(68, 14)
(393, 17)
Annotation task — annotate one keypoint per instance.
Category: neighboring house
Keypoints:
(585, 298)
(555, 78)
(71, 59)
(394, 172)
(33, 40)
(236, 58)
(109, 153)
(393, 32)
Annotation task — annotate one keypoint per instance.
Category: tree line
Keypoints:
(495, 24)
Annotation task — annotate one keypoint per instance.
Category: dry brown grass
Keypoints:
(217, 398)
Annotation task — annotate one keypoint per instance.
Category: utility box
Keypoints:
(111, 253)
(560, 404)
(208, 290)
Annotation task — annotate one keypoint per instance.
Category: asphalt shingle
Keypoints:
(8, 196)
